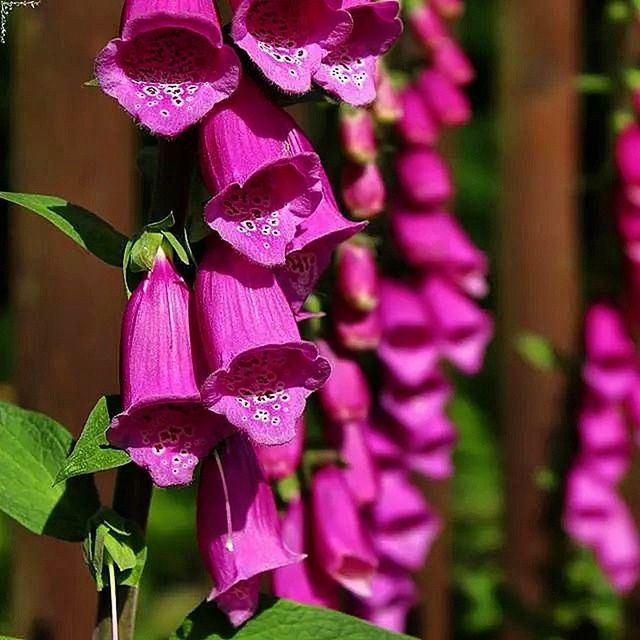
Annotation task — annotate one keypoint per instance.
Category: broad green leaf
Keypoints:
(92, 451)
(280, 620)
(177, 247)
(33, 449)
(85, 228)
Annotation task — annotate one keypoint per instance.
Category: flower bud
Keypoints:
(363, 190)
(358, 135)
(357, 275)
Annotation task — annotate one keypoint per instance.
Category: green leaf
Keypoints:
(92, 451)
(88, 230)
(33, 449)
(177, 247)
(280, 620)
(537, 351)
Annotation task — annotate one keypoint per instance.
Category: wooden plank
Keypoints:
(539, 279)
(71, 141)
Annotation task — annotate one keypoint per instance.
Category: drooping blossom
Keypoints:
(450, 60)
(363, 190)
(239, 531)
(357, 279)
(417, 125)
(358, 135)
(281, 461)
(427, 25)
(447, 101)
(356, 330)
(266, 183)
(387, 107)
(423, 177)
(262, 372)
(164, 426)
(169, 66)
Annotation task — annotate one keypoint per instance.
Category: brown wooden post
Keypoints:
(539, 286)
(71, 141)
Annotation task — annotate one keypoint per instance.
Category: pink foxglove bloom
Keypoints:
(462, 328)
(265, 182)
(358, 135)
(447, 101)
(169, 67)
(345, 397)
(434, 241)
(408, 348)
(423, 177)
(450, 60)
(428, 26)
(288, 39)
(404, 526)
(357, 275)
(303, 582)
(164, 427)
(387, 107)
(356, 330)
(363, 190)
(628, 161)
(341, 546)
(262, 371)
(610, 367)
(281, 461)
(417, 126)
(349, 70)
(628, 221)
(238, 528)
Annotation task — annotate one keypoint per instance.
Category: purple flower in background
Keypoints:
(357, 275)
(358, 135)
(262, 371)
(238, 528)
(164, 427)
(450, 60)
(363, 190)
(169, 67)
(628, 161)
(447, 100)
(428, 25)
(387, 107)
(341, 546)
(265, 182)
(280, 461)
(416, 126)
(423, 177)
(287, 39)
(356, 330)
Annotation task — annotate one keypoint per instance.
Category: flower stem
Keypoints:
(114, 602)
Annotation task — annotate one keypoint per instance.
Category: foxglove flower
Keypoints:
(450, 60)
(434, 241)
(423, 177)
(463, 330)
(281, 461)
(387, 107)
(628, 161)
(303, 582)
(238, 528)
(358, 135)
(356, 330)
(169, 67)
(265, 182)
(262, 371)
(416, 126)
(610, 367)
(349, 70)
(288, 39)
(357, 275)
(164, 427)
(447, 101)
(341, 546)
(427, 25)
(363, 190)
(628, 222)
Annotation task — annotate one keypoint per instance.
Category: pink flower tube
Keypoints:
(446, 100)
(423, 177)
(387, 107)
(450, 60)
(417, 125)
(356, 330)
(280, 461)
(357, 275)
(358, 135)
(169, 67)
(363, 190)
(628, 161)
(262, 371)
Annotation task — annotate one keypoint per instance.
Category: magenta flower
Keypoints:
(610, 367)
(434, 241)
(238, 528)
(341, 547)
(416, 126)
(450, 60)
(281, 461)
(345, 397)
(356, 330)
(387, 107)
(288, 39)
(265, 182)
(428, 26)
(169, 67)
(349, 69)
(404, 526)
(358, 135)
(363, 190)
(463, 330)
(628, 161)
(357, 275)
(303, 581)
(164, 427)
(262, 371)
(628, 222)
(408, 348)
(423, 177)
(447, 101)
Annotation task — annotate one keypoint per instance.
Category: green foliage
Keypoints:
(34, 447)
(537, 351)
(86, 229)
(280, 620)
(92, 451)
(112, 539)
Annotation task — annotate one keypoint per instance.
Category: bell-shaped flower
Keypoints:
(358, 135)
(447, 100)
(627, 154)
(238, 528)
(356, 330)
(417, 125)
(281, 461)
(163, 426)
(264, 182)
(423, 177)
(387, 107)
(427, 25)
(450, 60)
(363, 190)
(262, 371)
(357, 275)
(169, 66)
(341, 546)
(349, 69)
(287, 40)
